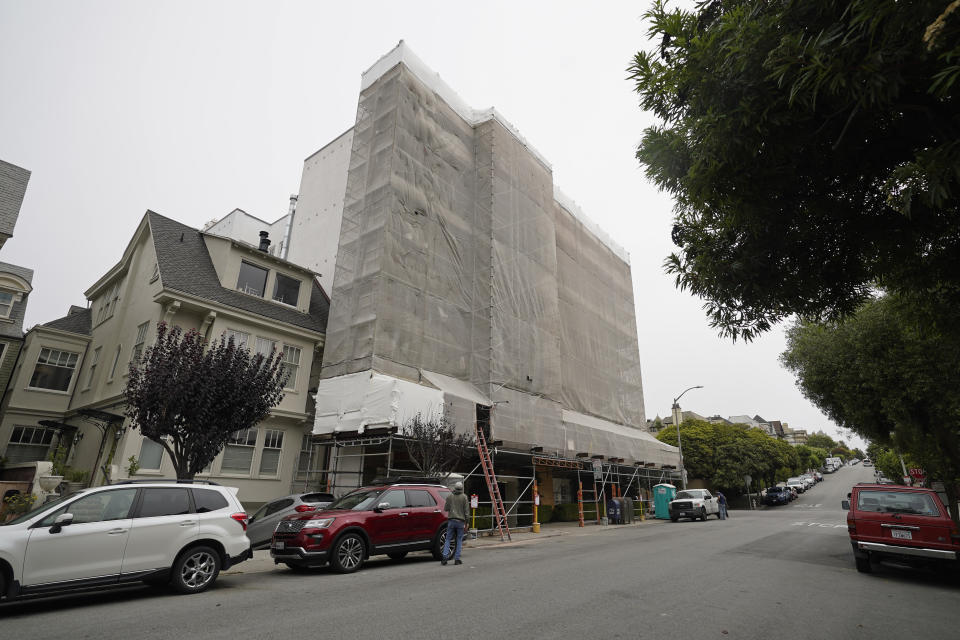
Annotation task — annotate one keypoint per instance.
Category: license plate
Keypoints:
(279, 546)
(903, 535)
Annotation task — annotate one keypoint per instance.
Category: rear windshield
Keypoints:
(919, 504)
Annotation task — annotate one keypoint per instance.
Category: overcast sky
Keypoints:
(194, 108)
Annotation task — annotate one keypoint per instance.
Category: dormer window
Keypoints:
(6, 304)
(252, 280)
(286, 290)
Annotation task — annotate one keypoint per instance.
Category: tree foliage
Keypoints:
(883, 375)
(812, 150)
(821, 440)
(722, 454)
(190, 397)
(434, 446)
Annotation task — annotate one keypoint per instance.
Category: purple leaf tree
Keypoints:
(189, 397)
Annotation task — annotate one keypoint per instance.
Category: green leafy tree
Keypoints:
(821, 441)
(190, 397)
(811, 149)
(886, 377)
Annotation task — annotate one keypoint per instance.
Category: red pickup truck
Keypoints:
(905, 524)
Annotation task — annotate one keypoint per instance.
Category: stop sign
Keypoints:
(917, 473)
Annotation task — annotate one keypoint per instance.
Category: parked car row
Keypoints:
(788, 491)
(184, 533)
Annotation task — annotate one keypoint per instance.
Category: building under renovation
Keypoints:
(463, 281)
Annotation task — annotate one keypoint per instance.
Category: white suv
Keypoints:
(155, 532)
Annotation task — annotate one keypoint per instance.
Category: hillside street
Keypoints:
(783, 572)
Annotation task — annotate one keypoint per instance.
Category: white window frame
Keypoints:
(108, 304)
(241, 339)
(7, 305)
(116, 361)
(261, 343)
(272, 441)
(291, 383)
(241, 438)
(50, 351)
(137, 350)
(34, 432)
(143, 443)
(94, 361)
(276, 279)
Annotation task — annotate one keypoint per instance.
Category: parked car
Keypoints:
(793, 493)
(265, 519)
(867, 463)
(818, 476)
(808, 480)
(393, 518)
(797, 484)
(693, 504)
(155, 532)
(908, 524)
(776, 495)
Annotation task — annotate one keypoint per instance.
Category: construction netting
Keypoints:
(455, 257)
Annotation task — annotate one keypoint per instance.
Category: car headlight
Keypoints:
(319, 523)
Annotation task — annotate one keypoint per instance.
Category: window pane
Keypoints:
(164, 502)
(209, 500)
(286, 289)
(151, 454)
(420, 498)
(97, 507)
(237, 459)
(266, 347)
(270, 461)
(252, 280)
(240, 339)
(279, 505)
(291, 362)
(395, 498)
(54, 370)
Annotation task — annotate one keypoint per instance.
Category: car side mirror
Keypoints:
(383, 506)
(845, 504)
(62, 521)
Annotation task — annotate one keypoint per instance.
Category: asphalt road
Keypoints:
(780, 573)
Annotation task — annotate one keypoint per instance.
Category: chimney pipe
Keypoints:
(264, 241)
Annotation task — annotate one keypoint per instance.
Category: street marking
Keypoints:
(821, 525)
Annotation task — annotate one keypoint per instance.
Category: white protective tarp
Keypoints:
(367, 399)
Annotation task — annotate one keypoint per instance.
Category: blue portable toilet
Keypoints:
(662, 495)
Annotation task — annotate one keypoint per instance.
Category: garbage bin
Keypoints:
(627, 510)
(663, 494)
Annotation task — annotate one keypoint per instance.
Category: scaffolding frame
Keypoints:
(633, 480)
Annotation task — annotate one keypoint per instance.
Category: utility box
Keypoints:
(663, 494)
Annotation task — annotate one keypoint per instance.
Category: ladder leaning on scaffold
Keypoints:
(498, 512)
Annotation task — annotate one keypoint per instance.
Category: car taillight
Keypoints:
(241, 518)
(955, 534)
(303, 508)
(852, 527)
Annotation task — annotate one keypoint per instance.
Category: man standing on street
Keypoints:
(722, 502)
(456, 507)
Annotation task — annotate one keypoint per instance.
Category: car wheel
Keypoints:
(674, 518)
(3, 584)
(437, 550)
(347, 553)
(397, 555)
(195, 569)
(863, 564)
(703, 513)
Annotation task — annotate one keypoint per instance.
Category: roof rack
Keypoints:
(172, 480)
(407, 480)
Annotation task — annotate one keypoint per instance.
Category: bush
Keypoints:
(545, 513)
(568, 512)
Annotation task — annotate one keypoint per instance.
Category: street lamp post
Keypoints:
(676, 421)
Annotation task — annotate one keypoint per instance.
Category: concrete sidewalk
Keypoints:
(262, 561)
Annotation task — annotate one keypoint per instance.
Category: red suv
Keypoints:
(392, 518)
(907, 524)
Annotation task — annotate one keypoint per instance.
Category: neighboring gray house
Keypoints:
(13, 186)
(16, 282)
